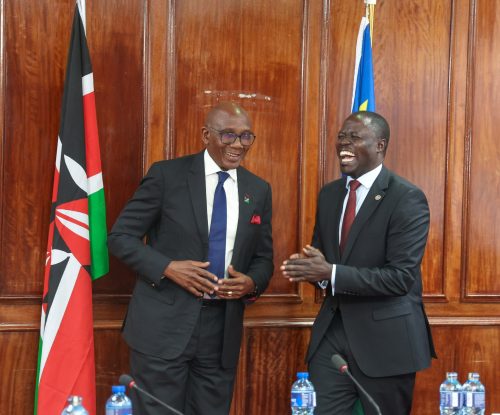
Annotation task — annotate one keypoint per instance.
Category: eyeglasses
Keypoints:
(246, 138)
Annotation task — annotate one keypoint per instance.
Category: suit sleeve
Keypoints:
(316, 238)
(316, 242)
(261, 266)
(125, 240)
(403, 249)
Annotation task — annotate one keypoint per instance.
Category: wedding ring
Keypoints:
(229, 293)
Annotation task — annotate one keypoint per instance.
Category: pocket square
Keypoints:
(255, 220)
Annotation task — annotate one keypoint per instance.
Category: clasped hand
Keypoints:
(194, 277)
(309, 265)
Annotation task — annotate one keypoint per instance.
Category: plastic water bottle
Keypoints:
(118, 403)
(474, 396)
(75, 406)
(450, 395)
(303, 395)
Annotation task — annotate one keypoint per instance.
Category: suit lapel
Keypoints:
(197, 190)
(335, 224)
(370, 204)
(246, 209)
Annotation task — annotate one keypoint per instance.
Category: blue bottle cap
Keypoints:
(302, 375)
(118, 389)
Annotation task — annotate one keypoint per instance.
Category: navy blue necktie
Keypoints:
(217, 236)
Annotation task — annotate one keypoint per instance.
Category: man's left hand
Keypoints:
(310, 265)
(236, 286)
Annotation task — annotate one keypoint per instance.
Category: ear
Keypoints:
(381, 145)
(204, 135)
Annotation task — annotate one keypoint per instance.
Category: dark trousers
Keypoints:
(337, 394)
(194, 383)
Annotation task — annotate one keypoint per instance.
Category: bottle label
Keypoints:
(304, 399)
(475, 400)
(451, 399)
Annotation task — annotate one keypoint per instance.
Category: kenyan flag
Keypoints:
(76, 252)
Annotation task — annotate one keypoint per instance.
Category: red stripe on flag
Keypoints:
(77, 244)
(56, 186)
(69, 369)
(62, 215)
(93, 153)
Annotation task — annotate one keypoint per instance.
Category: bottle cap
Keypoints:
(118, 389)
(302, 375)
(75, 400)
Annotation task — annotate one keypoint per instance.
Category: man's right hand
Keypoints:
(192, 276)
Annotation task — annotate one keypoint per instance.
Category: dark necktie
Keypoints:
(217, 236)
(349, 214)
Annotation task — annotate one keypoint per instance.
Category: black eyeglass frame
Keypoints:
(233, 135)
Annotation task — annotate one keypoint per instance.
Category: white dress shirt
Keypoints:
(366, 181)
(233, 204)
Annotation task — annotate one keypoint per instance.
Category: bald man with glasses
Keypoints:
(208, 253)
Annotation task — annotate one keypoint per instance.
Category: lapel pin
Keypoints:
(378, 197)
(246, 199)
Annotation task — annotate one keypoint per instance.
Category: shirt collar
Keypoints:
(368, 178)
(211, 167)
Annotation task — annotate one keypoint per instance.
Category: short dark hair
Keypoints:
(376, 123)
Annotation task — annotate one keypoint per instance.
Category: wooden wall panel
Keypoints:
(461, 349)
(271, 357)
(411, 43)
(111, 360)
(242, 55)
(32, 97)
(413, 92)
(33, 93)
(116, 44)
(482, 154)
(18, 366)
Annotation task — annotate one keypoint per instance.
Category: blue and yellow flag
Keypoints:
(363, 91)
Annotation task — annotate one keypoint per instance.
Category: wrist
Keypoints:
(327, 275)
(253, 293)
(167, 272)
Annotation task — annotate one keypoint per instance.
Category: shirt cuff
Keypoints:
(323, 284)
(334, 273)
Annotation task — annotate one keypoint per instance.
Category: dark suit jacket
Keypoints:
(378, 281)
(169, 207)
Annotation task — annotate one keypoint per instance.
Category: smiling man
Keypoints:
(367, 248)
(208, 253)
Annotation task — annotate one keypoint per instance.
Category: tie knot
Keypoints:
(353, 185)
(223, 175)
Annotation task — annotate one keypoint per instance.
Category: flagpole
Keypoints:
(83, 15)
(363, 90)
(370, 15)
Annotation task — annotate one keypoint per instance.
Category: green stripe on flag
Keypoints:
(99, 258)
(40, 347)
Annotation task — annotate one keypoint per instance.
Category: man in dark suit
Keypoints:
(368, 243)
(185, 319)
